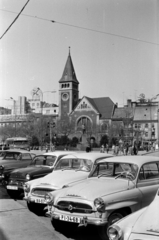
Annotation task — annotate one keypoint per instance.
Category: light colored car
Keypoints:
(40, 166)
(117, 187)
(143, 224)
(69, 170)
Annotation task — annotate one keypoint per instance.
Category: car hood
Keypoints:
(60, 178)
(148, 220)
(23, 171)
(97, 187)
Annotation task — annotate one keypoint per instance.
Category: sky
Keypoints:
(114, 46)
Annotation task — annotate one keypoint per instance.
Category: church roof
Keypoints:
(103, 105)
(69, 74)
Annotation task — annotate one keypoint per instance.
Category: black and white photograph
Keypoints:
(79, 119)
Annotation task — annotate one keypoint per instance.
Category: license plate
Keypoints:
(12, 187)
(40, 200)
(70, 219)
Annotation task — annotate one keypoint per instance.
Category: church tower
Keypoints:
(68, 90)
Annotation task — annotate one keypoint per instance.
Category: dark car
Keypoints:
(12, 159)
(40, 166)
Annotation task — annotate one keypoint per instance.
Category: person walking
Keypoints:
(107, 148)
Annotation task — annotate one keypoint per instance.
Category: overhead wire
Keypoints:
(84, 28)
(14, 20)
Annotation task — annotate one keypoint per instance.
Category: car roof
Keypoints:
(16, 151)
(58, 153)
(138, 160)
(90, 155)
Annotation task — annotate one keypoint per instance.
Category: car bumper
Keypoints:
(38, 200)
(16, 186)
(82, 219)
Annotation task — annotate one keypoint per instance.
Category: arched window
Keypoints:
(84, 122)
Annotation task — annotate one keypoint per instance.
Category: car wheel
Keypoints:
(30, 206)
(63, 227)
(114, 217)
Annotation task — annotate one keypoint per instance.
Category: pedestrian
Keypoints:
(47, 148)
(107, 148)
(116, 149)
(127, 148)
(83, 128)
(102, 149)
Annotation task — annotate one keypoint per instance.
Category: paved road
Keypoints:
(9, 208)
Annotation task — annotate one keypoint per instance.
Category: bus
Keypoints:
(18, 142)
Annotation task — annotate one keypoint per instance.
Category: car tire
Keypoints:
(30, 206)
(114, 217)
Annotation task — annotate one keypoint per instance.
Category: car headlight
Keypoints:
(49, 198)
(114, 232)
(26, 188)
(28, 177)
(99, 204)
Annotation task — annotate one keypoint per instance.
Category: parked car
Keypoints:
(116, 187)
(69, 170)
(40, 166)
(13, 159)
(143, 224)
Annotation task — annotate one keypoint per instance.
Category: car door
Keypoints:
(148, 182)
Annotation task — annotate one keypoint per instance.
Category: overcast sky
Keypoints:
(118, 59)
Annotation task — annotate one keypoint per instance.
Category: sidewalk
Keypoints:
(17, 223)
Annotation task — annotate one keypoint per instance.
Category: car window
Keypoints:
(115, 169)
(74, 163)
(103, 168)
(50, 160)
(149, 171)
(25, 156)
(63, 163)
(43, 160)
(11, 156)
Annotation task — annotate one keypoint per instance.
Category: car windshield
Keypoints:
(11, 156)
(43, 160)
(109, 169)
(77, 164)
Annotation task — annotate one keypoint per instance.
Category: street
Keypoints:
(81, 233)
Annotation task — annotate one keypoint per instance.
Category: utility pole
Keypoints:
(52, 125)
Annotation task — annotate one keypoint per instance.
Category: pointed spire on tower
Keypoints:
(69, 74)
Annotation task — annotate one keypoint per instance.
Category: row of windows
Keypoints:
(65, 85)
(138, 125)
(33, 104)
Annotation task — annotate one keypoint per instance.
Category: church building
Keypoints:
(87, 118)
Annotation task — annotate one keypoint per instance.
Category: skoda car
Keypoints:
(69, 170)
(116, 187)
(12, 159)
(40, 166)
(143, 224)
